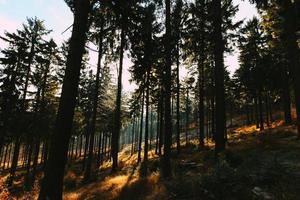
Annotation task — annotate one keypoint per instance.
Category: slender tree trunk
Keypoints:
(187, 116)
(270, 106)
(141, 129)
(5, 156)
(88, 169)
(86, 148)
(177, 100)
(267, 109)
(99, 149)
(247, 114)
(213, 114)
(52, 185)
(14, 161)
(46, 151)
(146, 146)
(166, 163)
(151, 128)
(219, 77)
(35, 163)
(256, 110)
(80, 145)
(201, 100)
(117, 125)
(133, 136)
(162, 124)
(286, 98)
(260, 108)
(157, 128)
(28, 166)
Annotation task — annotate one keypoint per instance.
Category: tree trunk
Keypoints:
(141, 129)
(166, 163)
(260, 108)
(35, 163)
(146, 146)
(286, 98)
(267, 109)
(88, 168)
(86, 148)
(162, 125)
(157, 128)
(14, 164)
(219, 77)
(117, 125)
(187, 116)
(133, 136)
(293, 52)
(52, 185)
(201, 100)
(177, 100)
(256, 110)
(151, 128)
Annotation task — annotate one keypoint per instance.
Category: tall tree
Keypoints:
(52, 185)
(218, 51)
(166, 163)
(121, 10)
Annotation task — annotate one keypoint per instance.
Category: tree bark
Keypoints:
(52, 185)
(88, 169)
(219, 77)
(166, 163)
(141, 129)
(117, 125)
(260, 108)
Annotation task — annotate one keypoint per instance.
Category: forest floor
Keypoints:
(256, 165)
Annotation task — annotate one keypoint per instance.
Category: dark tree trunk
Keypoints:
(52, 185)
(22, 113)
(86, 148)
(177, 100)
(270, 106)
(133, 136)
(247, 114)
(151, 129)
(166, 163)
(102, 148)
(88, 169)
(286, 98)
(256, 110)
(161, 122)
(293, 51)
(117, 125)
(35, 164)
(80, 145)
(187, 113)
(146, 146)
(99, 149)
(219, 77)
(260, 108)
(28, 165)
(267, 109)
(45, 153)
(141, 128)
(14, 162)
(201, 101)
(157, 128)
(5, 156)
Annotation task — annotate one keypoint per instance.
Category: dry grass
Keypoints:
(187, 168)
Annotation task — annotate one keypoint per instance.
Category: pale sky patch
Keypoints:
(58, 17)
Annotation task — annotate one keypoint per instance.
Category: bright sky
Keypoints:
(58, 17)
